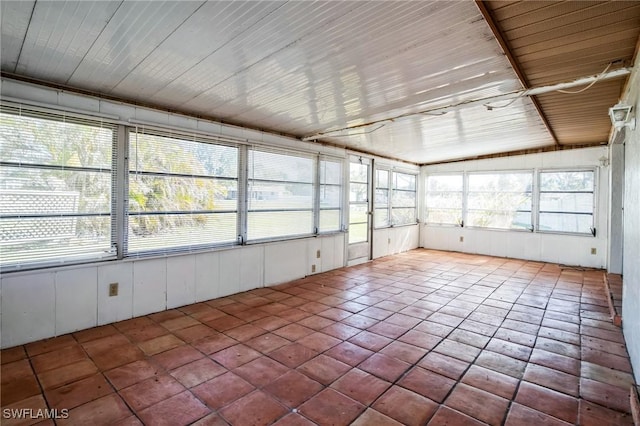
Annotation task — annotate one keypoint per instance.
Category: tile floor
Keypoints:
(424, 337)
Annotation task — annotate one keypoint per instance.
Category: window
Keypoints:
(280, 195)
(499, 200)
(56, 188)
(381, 215)
(444, 199)
(403, 200)
(358, 202)
(330, 195)
(182, 193)
(566, 201)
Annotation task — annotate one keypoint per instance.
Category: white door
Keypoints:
(359, 245)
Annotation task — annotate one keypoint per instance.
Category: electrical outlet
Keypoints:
(461, 239)
(593, 250)
(318, 254)
(313, 268)
(113, 289)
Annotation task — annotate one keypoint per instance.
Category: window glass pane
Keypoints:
(182, 193)
(358, 192)
(381, 217)
(280, 195)
(55, 188)
(444, 199)
(382, 178)
(358, 172)
(403, 196)
(563, 194)
(500, 200)
(358, 213)
(565, 222)
(330, 195)
(357, 233)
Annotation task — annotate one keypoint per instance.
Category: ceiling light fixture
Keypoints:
(620, 115)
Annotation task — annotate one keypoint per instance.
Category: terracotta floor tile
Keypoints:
(214, 343)
(117, 356)
(510, 349)
(278, 307)
(150, 391)
(520, 415)
(605, 346)
(316, 322)
(349, 353)
(404, 352)
(385, 367)
(449, 417)
(560, 348)
(209, 315)
(95, 333)
(490, 381)
(373, 417)
(12, 354)
(294, 314)
(443, 364)
(375, 313)
(616, 362)
(179, 323)
(165, 315)
(353, 307)
(48, 345)
(293, 419)
(419, 338)
(18, 382)
(457, 350)
(261, 371)
(267, 343)
(126, 325)
(235, 356)
(555, 361)
(222, 390)
(67, 374)
(387, 329)
(515, 336)
(319, 342)
(105, 344)
(606, 374)
(212, 419)
(371, 341)
(335, 314)
(270, 323)
(550, 402)
(605, 394)
(196, 372)
(293, 332)
(34, 403)
(478, 404)
(146, 332)
(361, 386)
(102, 411)
(341, 331)
(293, 355)
(251, 314)
(501, 363)
(245, 332)
(324, 369)
(597, 415)
(552, 379)
(78, 393)
(427, 383)
(225, 323)
(469, 338)
(58, 358)
(174, 358)
(405, 406)
(257, 409)
(132, 373)
(160, 344)
(195, 332)
(293, 388)
(178, 410)
(331, 407)
(359, 321)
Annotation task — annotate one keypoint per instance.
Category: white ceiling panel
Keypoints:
(133, 33)
(328, 68)
(59, 36)
(14, 22)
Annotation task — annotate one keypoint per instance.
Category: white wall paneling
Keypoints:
(76, 299)
(120, 307)
(181, 281)
(149, 286)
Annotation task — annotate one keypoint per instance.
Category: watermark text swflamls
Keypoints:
(35, 414)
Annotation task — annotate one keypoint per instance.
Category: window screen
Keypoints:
(183, 193)
(381, 214)
(444, 199)
(330, 195)
(280, 195)
(499, 200)
(403, 200)
(56, 188)
(566, 201)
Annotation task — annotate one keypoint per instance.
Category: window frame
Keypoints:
(395, 190)
(462, 193)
